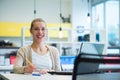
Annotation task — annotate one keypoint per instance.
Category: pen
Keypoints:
(36, 72)
(28, 61)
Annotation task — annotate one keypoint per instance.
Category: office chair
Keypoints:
(89, 64)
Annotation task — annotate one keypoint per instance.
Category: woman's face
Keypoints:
(38, 31)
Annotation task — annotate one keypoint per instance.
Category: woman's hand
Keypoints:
(43, 71)
(29, 68)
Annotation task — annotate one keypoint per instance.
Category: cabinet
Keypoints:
(70, 43)
(7, 57)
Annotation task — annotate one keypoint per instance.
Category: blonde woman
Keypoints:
(43, 57)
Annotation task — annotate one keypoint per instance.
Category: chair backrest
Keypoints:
(89, 63)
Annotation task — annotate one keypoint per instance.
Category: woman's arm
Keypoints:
(57, 60)
(19, 62)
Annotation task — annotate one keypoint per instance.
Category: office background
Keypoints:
(103, 26)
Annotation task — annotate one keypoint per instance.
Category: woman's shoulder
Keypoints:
(51, 47)
(24, 48)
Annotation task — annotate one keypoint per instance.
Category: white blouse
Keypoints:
(41, 61)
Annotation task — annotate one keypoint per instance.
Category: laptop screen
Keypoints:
(89, 48)
(92, 48)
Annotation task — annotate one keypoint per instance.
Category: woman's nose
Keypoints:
(40, 30)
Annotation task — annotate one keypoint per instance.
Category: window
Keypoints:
(105, 15)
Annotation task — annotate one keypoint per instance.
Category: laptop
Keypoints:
(90, 48)
(86, 48)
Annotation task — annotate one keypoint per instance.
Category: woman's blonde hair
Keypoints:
(36, 20)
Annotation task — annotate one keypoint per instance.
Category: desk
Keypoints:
(103, 76)
(101, 67)
(113, 49)
(6, 68)
(30, 77)
(109, 67)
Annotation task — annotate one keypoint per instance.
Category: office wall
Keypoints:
(95, 2)
(79, 15)
(23, 10)
(16, 10)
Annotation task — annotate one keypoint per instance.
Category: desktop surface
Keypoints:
(31, 77)
(102, 76)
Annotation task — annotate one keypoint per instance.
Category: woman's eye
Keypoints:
(36, 29)
(43, 29)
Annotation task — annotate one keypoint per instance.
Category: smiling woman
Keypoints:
(38, 30)
(43, 57)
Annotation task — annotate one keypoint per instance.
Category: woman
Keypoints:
(43, 57)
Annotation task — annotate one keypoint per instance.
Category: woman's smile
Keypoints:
(40, 36)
